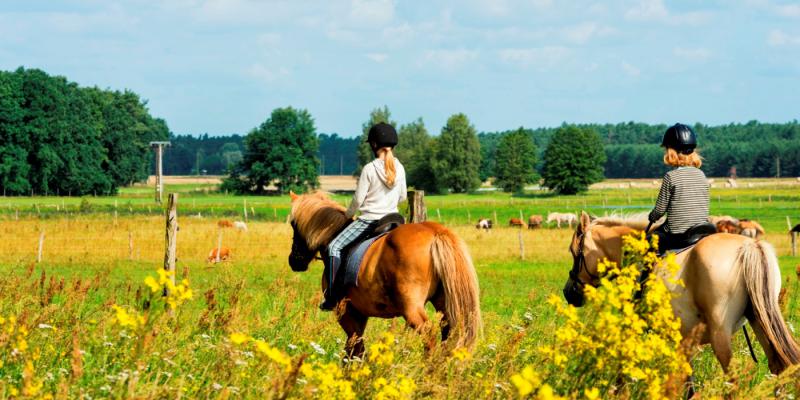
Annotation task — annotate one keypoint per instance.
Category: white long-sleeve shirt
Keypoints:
(373, 196)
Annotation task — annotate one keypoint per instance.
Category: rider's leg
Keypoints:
(351, 233)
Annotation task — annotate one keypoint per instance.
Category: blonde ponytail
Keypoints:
(391, 172)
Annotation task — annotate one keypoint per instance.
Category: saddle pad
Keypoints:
(354, 258)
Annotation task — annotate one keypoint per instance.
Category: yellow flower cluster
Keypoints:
(176, 294)
(14, 349)
(264, 348)
(127, 319)
(617, 339)
(401, 388)
(329, 381)
(381, 352)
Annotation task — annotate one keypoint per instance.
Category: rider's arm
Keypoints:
(360, 195)
(403, 188)
(664, 196)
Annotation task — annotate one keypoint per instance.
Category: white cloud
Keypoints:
(655, 10)
(541, 57)
(372, 12)
(631, 69)
(778, 38)
(582, 33)
(265, 74)
(788, 10)
(377, 57)
(698, 54)
(450, 59)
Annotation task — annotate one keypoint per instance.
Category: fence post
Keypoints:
(494, 212)
(469, 217)
(244, 206)
(219, 244)
(794, 244)
(416, 206)
(41, 247)
(130, 245)
(171, 238)
(521, 245)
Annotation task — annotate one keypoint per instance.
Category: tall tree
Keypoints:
(458, 156)
(282, 151)
(414, 151)
(364, 151)
(573, 160)
(516, 161)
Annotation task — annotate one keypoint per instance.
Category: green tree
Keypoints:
(516, 161)
(573, 160)
(282, 151)
(457, 157)
(414, 151)
(364, 150)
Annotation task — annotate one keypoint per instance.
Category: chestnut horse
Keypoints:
(401, 271)
(727, 278)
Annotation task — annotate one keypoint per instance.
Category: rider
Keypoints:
(684, 191)
(381, 186)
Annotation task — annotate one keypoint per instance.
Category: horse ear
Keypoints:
(293, 195)
(586, 220)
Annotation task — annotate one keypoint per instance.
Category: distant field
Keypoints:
(112, 243)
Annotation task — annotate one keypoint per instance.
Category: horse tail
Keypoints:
(761, 274)
(453, 266)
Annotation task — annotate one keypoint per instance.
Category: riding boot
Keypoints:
(333, 294)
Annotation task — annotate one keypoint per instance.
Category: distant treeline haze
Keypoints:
(632, 149)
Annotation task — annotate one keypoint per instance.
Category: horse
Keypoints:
(568, 218)
(534, 221)
(727, 278)
(516, 222)
(224, 223)
(402, 271)
(727, 226)
(751, 228)
(484, 223)
(240, 226)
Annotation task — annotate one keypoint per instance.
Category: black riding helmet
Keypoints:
(681, 138)
(382, 135)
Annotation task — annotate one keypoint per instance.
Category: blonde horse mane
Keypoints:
(636, 221)
(318, 218)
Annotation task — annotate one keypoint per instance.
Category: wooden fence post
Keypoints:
(171, 237)
(244, 206)
(794, 244)
(41, 247)
(219, 245)
(416, 206)
(521, 246)
(494, 212)
(130, 245)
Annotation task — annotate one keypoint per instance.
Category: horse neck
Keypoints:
(608, 239)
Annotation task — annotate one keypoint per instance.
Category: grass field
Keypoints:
(89, 265)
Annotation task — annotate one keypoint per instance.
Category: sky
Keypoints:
(221, 66)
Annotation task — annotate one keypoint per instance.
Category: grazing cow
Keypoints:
(728, 226)
(559, 218)
(751, 228)
(240, 226)
(484, 223)
(534, 221)
(516, 222)
(224, 254)
(224, 223)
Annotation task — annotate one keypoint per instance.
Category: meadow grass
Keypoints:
(87, 267)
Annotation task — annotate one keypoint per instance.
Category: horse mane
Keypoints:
(636, 221)
(318, 218)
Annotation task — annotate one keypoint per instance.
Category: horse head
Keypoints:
(585, 255)
(315, 219)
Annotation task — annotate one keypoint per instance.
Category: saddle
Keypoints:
(353, 254)
(678, 243)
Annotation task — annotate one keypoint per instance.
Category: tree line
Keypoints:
(59, 138)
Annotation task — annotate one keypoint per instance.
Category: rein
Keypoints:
(579, 263)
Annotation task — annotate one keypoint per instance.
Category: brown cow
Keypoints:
(224, 254)
(516, 222)
(728, 226)
(535, 221)
(224, 223)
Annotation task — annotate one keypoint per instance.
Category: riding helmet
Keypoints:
(681, 138)
(382, 135)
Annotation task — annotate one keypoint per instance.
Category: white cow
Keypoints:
(567, 218)
(241, 226)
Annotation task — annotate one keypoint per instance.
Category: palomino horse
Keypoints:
(727, 278)
(413, 264)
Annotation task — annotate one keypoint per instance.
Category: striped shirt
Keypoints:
(684, 198)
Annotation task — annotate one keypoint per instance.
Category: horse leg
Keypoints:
(417, 319)
(353, 323)
(439, 305)
(721, 344)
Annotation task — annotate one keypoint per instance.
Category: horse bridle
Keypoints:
(579, 263)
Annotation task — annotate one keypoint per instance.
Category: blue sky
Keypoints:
(221, 66)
